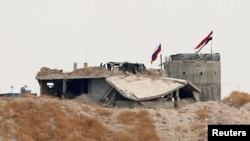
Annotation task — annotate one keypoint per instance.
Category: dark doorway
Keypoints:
(76, 87)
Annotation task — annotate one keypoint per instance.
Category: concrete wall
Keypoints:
(206, 75)
(98, 88)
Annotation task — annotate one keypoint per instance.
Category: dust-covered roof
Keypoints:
(46, 73)
(144, 88)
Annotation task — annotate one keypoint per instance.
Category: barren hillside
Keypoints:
(28, 118)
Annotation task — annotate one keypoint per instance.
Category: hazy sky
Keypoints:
(57, 33)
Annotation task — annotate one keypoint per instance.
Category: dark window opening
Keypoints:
(85, 86)
(184, 73)
(185, 93)
(76, 87)
(52, 88)
(200, 73)
(214, 73)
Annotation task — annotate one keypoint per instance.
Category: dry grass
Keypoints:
(197, 127)
(203, 134)
(123, 136)
(88, 70)
(47, 121)
(203, 113)
(237, 99)
(30, 118)
(142, 125)
(39, 118)
(99, 71)
(158, 114)
(103, 112)
(46, 96)
(45, 71)
(153, 74)
(181, 110)
(178, 128)
(127, 117)
(27, 95)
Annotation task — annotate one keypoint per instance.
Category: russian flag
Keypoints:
(156, 52)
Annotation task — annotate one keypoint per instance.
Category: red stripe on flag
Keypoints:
(204, 41)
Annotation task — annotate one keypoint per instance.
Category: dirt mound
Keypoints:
(31, 118)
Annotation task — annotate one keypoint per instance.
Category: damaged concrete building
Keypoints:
(117, 84)
(203, 70)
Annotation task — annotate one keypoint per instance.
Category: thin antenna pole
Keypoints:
(86, 56)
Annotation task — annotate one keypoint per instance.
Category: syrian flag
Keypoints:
(156, 52)
(204, 41)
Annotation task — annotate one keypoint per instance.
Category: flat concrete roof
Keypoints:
(82, 73)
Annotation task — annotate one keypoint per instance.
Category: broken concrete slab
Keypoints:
(139, 88)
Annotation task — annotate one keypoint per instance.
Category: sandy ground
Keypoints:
(188, 123)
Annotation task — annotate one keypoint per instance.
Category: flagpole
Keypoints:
(156, 52)
(204, 42)
(161, 57)
(161, 61)
(211, 47)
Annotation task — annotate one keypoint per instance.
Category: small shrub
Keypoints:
(88, 71)
(237, 99)
(153, 74)
(203, 113)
